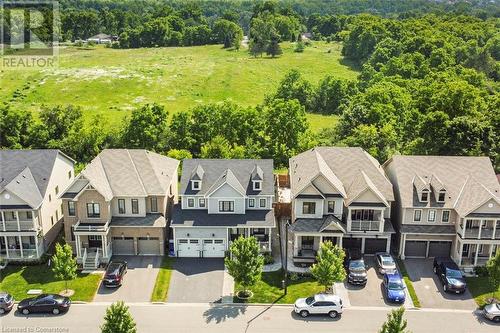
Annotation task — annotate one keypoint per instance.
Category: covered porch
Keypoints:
(263, 236)
(472, 254)
(14, 246)
(93, 244)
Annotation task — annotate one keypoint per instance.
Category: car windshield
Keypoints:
(357, 265)
(309, 300)
(395, 285)
(453, 274)
(498, 306)
(387, 261)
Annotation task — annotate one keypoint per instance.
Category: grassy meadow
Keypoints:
(110, 83)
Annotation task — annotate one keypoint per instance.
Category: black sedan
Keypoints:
(44, 303)
(114, 274)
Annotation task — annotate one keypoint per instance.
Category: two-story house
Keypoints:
(446, 206)
(221, 200)
(119, 204)
(342, 195)
(30, 210)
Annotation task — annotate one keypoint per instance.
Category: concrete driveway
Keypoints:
(196, 280)
(372, 294)
(138, 283)
(430, 290)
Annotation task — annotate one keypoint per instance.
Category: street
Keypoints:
(193, 318)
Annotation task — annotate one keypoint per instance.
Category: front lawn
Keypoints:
(162, 280)
(268, 290)
(481, 289)
(17, 280)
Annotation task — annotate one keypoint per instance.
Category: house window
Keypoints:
(190, 202)
(201, 202)
(71, 208)
(262, 203)
(480, 248)
(257, 185)
(94, 237)
(431, 217)
(29, 215)
(121, 206)
(362, 215)
(417, 215)
(441, 196)
(424, 196)
(57, 189)
(446, 216)
(331, 207)
(309, 208)
(93, 210)
(135, 206)
(307, 242)
(195, 185)
(69, 174)
(154, 204)
(226, 206)
(251, 202)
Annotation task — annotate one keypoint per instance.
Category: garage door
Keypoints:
(439, 249)
(415, 248)
(149, 246)
(374, 245)
(351, 243)
(123, 245)
(188, 248)
(213, 248)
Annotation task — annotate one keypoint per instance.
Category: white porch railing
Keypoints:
(365, 225)
(109, 250)
(96, 259)
(23, 225)
(84, 257)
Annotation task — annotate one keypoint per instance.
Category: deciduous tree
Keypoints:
(118, 319)
(64, 264)
(329, 267)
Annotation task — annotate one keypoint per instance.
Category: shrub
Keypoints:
(268, 258)
(481, 271)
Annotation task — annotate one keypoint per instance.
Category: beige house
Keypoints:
(30, 208)
(446, 206)
(118, 205)
(342, 195)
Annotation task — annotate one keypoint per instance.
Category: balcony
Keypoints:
(358, 225)
(475, 233)
(91, 227)
(23, 226)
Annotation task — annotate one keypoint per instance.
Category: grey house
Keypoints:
(446, 206)
(339, 194)
(221, 200)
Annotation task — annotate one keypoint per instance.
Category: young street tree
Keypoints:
(118, 319)
(493, 266)
(395, 322)
(64, 264)
(330, 265)
(245, 263)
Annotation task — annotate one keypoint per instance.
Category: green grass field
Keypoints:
(110, 83)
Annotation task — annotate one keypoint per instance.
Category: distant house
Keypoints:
(305, 35)
(102, 39)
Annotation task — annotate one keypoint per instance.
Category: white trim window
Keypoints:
(417, 215)
(445, 216)
(424, 196)
(195, 185)
(331, 206)
(202, 202)
(257, 185)
(190, 202)
(262, 202)
(93, 210)
(251, 202)
(226, 206)
(154, 205)
(308, 208)
(441, 196)
(121, 206)
(431, 215)
(135, 206)
(71, 208)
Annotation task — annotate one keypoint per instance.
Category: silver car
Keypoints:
(385, 263)
(492, 312)
(319, 304)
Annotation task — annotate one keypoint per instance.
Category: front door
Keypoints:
(465, 250)
(330, 239)
(95, 241)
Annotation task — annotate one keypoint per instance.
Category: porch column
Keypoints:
(320, 240)
(339, 241)
(20, 244)
(269, 236)
(381, 225)
(476, 254)
(402, 246)
(490, 251)
(17, 219)
(349, 219)
(388, 245)
(494, 229)
(33, 219)
(104, 246)
(464, 223)
(36, 246)
(460, 252)
(479, 233)
(363, 245)
(6, 246)
(295, 245)
(3, 220)
(78, 246)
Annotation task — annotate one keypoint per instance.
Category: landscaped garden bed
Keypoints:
(481, 289)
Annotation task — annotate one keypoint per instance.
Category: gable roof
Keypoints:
(469, 180)
(26, 173)
(130, 172)
(237, 172)
(342, 166)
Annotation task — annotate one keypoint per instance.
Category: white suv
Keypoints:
(319, 304)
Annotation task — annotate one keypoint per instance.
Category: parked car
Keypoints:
(450, 275)
(356, 272)
(492, 312)
(319, 304)
(385, 263)
(50, 303)
(6, 302)
(114, 274)
(394, 288)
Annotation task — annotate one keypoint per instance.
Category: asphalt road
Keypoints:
(191, 318)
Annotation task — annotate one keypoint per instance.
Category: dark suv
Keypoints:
(450, 275)
(114, 274)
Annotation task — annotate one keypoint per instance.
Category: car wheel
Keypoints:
(304, 313)
(26, 311)
(333, 314)
(445, 288)
(55, 311)
(496, 319)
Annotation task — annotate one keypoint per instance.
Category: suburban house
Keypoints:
(101, 39)
(119, 204)
(342, 195)
(220, 201)
(446, 206)
(30, 209)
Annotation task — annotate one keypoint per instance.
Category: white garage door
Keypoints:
(188, 248)
(149, 246)
(123, 245)
(213, 248)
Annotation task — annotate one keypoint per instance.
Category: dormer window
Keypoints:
(257, 185)
(441, 196)
(195, 185)
(424, 197)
